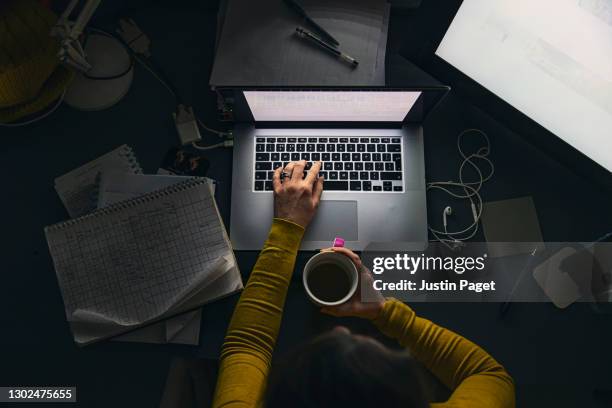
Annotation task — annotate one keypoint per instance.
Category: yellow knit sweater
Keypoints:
(477, 380)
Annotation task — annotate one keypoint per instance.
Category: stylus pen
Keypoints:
(298, 9)
(302, 33)
(506, 305)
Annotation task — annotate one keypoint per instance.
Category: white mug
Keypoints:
(343, 264)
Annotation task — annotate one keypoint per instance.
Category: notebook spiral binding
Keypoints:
(129, 154)
(182, 186)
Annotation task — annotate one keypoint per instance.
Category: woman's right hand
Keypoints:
(296, 198)
(356, 307)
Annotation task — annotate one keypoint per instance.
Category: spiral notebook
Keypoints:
(142, 260)
(118, 186)
(78, 188)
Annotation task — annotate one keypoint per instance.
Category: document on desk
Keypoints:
(118, 186)
(143, 260)
(258, 46)
(78, 188)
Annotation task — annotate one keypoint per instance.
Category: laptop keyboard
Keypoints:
(367, 164)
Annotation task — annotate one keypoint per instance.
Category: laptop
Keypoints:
(370, 141)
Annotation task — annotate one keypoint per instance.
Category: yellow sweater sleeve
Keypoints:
(252, 333)
(477, 380)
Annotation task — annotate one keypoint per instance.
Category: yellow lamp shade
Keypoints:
(31, 77)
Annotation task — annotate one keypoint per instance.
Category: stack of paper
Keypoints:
(98, 255)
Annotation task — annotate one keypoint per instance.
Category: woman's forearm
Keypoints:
(474, 376)
(258, 314)
(252, 333)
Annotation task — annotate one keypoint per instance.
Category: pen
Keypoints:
(297, 8)
(506, 305)
(310, 36)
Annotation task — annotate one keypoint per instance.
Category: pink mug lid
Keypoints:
(338, 242)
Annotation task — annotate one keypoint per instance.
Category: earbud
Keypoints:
(447, 211)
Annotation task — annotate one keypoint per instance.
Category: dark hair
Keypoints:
(338, 369)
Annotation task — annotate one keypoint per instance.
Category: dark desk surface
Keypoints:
(546, 350)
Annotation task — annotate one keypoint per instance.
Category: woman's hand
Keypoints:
(296, 198)
(355, 307)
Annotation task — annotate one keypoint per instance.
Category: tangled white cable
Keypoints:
(471, 191)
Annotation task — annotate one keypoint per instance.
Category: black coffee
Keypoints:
(328, 282)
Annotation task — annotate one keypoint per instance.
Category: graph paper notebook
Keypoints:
(119, 186)
(142, 260)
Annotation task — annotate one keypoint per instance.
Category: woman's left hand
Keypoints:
(356, 307)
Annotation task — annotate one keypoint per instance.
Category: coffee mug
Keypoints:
(330, 279)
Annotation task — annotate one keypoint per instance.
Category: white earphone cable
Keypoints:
(471, 189)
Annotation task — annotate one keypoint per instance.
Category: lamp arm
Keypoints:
(71, 52)
(84, 16)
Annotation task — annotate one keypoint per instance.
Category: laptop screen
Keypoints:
(330, 106)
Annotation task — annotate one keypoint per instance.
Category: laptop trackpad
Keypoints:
(334, 219)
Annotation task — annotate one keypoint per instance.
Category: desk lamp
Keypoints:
(104, 66)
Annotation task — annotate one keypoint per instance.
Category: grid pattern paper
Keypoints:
(133, 261)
